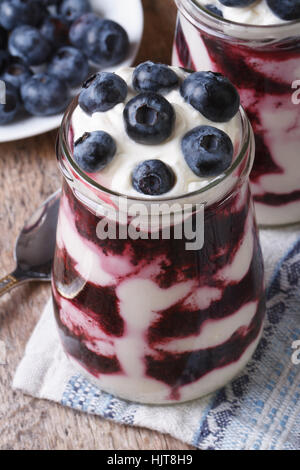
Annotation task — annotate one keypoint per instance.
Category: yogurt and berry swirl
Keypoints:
(255, 43)
(148, 319)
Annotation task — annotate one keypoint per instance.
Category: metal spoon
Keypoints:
(35, 246)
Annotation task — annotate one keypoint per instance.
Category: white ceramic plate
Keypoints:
(129, 14)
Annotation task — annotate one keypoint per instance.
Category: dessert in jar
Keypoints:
(256, 44)
(143, 314)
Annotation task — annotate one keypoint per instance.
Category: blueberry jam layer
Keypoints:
(264, 77)
(151, 321)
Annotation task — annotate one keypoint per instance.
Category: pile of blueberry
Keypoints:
(287, 10)
(47, 47)
(149, 119)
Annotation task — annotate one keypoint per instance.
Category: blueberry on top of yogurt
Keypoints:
(149, 118)
(93, 151)
(153, 177)
(212, 94)
(208, 151)
(154, 77)
(102, 92)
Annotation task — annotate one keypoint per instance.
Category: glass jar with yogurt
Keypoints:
(147, 314)
(259, 52)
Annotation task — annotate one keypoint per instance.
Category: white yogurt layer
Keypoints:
(117, 175)
(258, 13)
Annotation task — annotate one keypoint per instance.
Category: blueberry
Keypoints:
(27, 43)
(16, 73)
(70, 10)
(55, 31)
(237, 3)
(94, 151)
(286, 9)
(102, 92)
(208, 151)
(149, 118)
(15, 13)
(10, 109)
(215, 10)
(153, 177)
(44, 95)
(106, 43)
(212, 94)
(69, 64)
(80, 27)
(154, 77)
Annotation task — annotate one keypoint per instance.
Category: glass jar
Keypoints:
(150, 318)
(264, 63)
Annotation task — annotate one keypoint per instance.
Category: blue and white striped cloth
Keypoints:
(260, 409)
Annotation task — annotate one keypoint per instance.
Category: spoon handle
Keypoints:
(7, 283)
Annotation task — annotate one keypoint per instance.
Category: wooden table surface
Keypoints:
(28, 174)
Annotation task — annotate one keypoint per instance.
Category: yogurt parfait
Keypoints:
(146, 314)
(256, 44)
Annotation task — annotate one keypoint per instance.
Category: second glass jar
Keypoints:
(263, 62)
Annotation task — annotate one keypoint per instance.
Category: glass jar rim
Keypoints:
(247, 141)
(192, 7)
